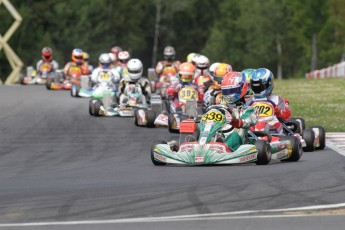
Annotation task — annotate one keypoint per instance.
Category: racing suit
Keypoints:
(241, 117)
(114, 75)
(53, 63)
(281, 109)
(164, 63)
(126, 85)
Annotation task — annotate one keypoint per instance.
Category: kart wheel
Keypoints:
(322, 137)
(91, 108)
(309, 137)
(151, 117)
(296, 148)
(301, 123)
(264, 152)
(154, 161)
(49, 83)
(171, 121)
(75, 90)
(97, 105)
(136, 117)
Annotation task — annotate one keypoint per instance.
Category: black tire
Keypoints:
(151, 117)
(75, 90)
(91, 108)
(296, 148)
(322, 137)
(301, 123)
(97, 105)
(154, 161)
(49, 83)
(264, 152)
(309, 137)
(171, 120)
(136, 117)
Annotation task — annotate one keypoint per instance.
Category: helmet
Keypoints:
(220, 72)
(262, 82)
(249, 74)
(77, 56)
(115, 50)
(135, 69)
(86, 56)
(213, 68)
(201, 62)
(169, 53)
(190, 57)
(104, 60)
(47, 54)
(113, 57)
(186, 72)
(234, 87)
(123, 56)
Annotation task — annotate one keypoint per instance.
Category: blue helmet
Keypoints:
(262, 83)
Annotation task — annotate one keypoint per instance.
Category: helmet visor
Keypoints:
(258, 86)
(230, 91)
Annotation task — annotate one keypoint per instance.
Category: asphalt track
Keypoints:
(60, 165)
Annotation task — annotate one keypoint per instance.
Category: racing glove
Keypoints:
(237, 123)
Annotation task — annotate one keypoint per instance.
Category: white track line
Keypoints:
(211, 216)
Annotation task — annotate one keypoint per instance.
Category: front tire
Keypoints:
(75, 90)
(264, 152)
(296, 148)
(171, 121)
(154, 161)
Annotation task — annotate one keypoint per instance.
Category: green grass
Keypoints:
(318, 101)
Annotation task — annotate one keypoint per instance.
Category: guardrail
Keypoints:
(337, 70)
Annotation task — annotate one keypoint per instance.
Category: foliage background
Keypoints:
(244, 33)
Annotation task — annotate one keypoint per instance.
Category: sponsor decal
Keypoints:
(281, 154)
(218, 148)
(199, 159)
(186, 147)
(248, 158)
(159, 157)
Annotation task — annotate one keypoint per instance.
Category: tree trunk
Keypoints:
(155, 42)
(280, 61)
(313, 64)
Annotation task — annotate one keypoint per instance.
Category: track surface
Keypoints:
(57, 163)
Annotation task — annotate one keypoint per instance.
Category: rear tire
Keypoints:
(322, 137)
(264, 152)
(296, 148)
(136, 117)
(91, 108)
(171, 120)
(75, 90)
(154, 161)
(301, 123)
(49, 83)
(151, 117)
(309, 137)
(97, 105)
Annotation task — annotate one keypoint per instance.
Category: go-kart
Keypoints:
(168, 77)
(279, 131)
(38, 77)
(79, 82)
(105, 103)
(58, 82)
(204, 145)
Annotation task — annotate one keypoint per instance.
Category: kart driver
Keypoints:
(47, 56)
(105, 63)
(262, 86)
(239, 115)
(134, 81)
(169, 60)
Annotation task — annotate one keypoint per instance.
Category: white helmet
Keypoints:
(213, 68)
(112, 57)
(201, 62)
(135, 69)
(169, 52)
(105, 60)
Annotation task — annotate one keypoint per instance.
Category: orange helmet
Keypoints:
(234, 87)
(77, 56)
(47, 54)
(201, 80)
(186, 72)
(220, 72)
